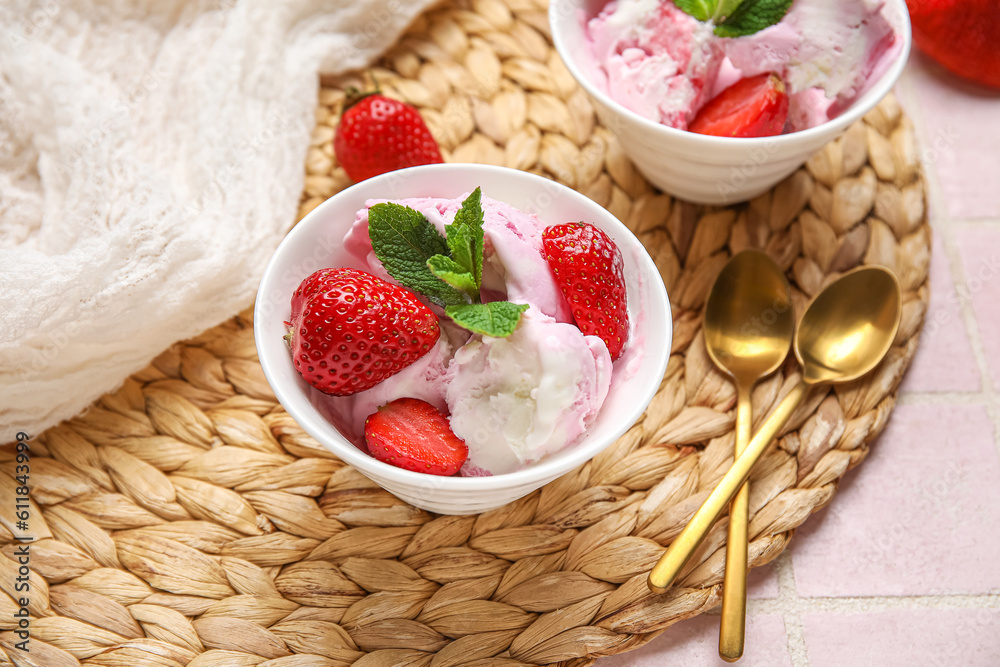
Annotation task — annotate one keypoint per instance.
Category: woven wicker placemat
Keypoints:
(187, 520)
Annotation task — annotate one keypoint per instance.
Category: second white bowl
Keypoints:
(697, 167)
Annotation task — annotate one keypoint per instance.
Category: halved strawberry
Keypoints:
(753, 107)
(589, 269)
(412, 434)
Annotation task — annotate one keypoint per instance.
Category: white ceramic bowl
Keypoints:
(316, 242)
(701, 168)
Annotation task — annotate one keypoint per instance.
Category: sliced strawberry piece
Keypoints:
(589, 269)
(753, 107)
(350, 330)
(412, 434)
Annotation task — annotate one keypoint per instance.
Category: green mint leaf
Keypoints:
(454, 274)
(465, 235)
(497, 319)
(725, 9)
(752, 16)
(462, 246)
(700, 9)
(403, 240)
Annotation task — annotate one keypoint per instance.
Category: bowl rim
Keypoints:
(542, 471)
(863, 105)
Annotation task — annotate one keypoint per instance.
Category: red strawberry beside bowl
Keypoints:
(377, 134)
(962, 35)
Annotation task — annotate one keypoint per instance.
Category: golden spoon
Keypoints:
(749, 325)
(844, 334)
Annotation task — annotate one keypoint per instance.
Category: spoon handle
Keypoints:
(732, 627)
(680, 550)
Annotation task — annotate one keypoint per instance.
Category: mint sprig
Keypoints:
(403, 240)
(724, 10)
(736, 18)
(453, 273)
(700, 9)
(751, 16)
(447, 270)
(465, 235)
(487, 318)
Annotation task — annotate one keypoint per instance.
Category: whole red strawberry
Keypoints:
(413, 434)
(962, 35)
(310, 286)
(589, 270)
(377, 134)
(753, 107)
(350, 330)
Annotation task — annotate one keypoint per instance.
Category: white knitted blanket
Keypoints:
(151, 159)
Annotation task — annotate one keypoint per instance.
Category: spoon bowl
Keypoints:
(849, 327)
(748, 317)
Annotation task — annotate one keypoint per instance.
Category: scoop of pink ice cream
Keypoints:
(423, 379)
(658, 61)
(516, 399)
(833, 47)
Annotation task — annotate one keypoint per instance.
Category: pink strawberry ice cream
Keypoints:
(513, 400)
(664, 64)
(656, 60)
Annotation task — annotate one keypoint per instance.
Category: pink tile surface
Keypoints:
(919, 517)
(762, 583)
(962, 143)
(944, 360)
(979, 248)
(696, 642)
(904, 638)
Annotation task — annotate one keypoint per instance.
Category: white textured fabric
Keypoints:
(151, 159)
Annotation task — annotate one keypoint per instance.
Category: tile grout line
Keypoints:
(942, 398)
(848, 605)
(976, 223)
(988, 391)
(789, 607)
